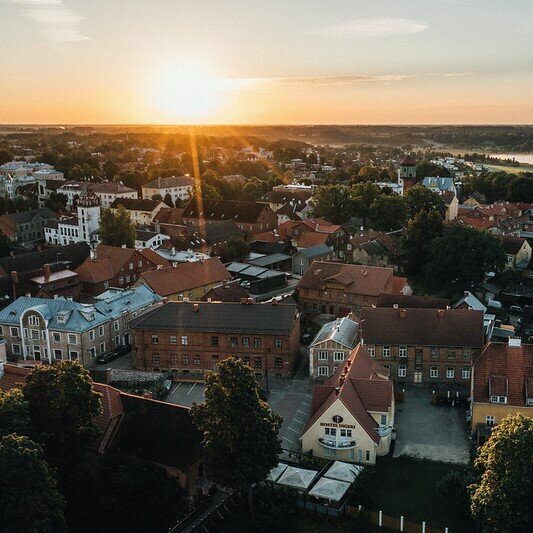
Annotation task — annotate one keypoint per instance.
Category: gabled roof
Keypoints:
(361, 385)
(409, 301)
(186, 276)
(408, 161)
(423, 327)
(511, 244)
(247, 212)
(310, 239)
(315, 251)
(229, 292)
(171, 181)
(503, 370)
(13, 377)
(470, 301)
(137, 204)
(343, 330)
(110, 187)
(170, 215)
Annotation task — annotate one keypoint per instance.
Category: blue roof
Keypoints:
(443, 184)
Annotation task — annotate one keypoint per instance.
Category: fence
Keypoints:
(396, 524)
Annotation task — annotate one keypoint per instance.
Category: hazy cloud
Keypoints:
(57, 22)
(373, 27)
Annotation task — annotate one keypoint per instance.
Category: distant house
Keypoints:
(179, 188)
(108, 192)
(518, 251)
(210, 238)
(27, 227)
(302, 259)
(331, 346)
(186, 280)
(145, 238)
(352, 414)
(373, 249)
(142, 212)
(287, 202)
(55, 282)
(452, 205)
(169, 220)
(312, 232)
(469, 301)
(439, 185)
(502, 383)
(228, 292)
(250, 217)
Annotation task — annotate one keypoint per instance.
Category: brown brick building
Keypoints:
(430, 346)
(194, 337)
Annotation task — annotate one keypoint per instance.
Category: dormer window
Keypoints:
(33, 320)
(498, 399)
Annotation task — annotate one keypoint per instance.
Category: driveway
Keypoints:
(434, 432)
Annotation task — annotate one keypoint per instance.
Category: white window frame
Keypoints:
(371, 351)
(323, 355)
(33, 320)
(323, 371)
(72, 336)
(184, 340)
(101, 331)
(102, 347)
(346, 433)
(15, 348)
(116, 325)
(402, 371)
(385, 350)
(490, 420)
(402, 351)
(92, 335)
(450, 372)
(330, 432)
(433, 372)
(498, 399)
(14, 331)
(338, 356)
(465, 372)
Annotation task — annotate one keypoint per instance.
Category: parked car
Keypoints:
(515, 309)
(106, 358)
(122, 349)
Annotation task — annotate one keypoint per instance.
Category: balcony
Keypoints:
(384, 431)
(337, 444)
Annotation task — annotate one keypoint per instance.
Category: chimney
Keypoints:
(403, 313)
(395, 306)
(274, 302)
(195, 308)
(46, 272)
(341, 381)
(159, 267)
(249, 301)
(364, 272)
(173, 251)
(93, 254)
(244, 301)
(441, 313)
(337, 390)
(174, 264)
(515, 342)
(15, 276)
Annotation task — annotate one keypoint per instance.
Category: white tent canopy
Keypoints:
(329, 489)
(276, 472)
(343, 471)
(298, 478)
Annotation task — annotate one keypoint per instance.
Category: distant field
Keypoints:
(510, 170)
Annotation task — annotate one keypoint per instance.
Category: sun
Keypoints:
(185, 93)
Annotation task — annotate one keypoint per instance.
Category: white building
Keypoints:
(179, 188)
(108, 192)
(149, 239)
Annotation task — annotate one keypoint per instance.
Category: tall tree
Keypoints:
(334, 203)
(421, 198)
(56, 201)
(240, 430)
(168, 200)
(14, 414)
(29, 499)
(388, 212)
(501, 497)
(521, 189)
(363, 195)
(5, 244)
(5, 156)
(235, 249)
(116, 228)
(63, 407)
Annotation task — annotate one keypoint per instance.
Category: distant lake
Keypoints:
(521, 158)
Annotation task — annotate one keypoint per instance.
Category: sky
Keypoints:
(275, 62)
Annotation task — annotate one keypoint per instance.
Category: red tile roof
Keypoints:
(309, 238)
(503, 370)
(361, 385)
(13, 377)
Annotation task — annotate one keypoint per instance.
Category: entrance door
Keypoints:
(37, 353)
(418, 377)
(126, 338)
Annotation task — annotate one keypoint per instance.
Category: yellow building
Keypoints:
(353, 412)
(502, 383)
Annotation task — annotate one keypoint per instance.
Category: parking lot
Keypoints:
(434, 432)
(289, 398)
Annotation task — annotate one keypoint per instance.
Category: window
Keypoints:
(1, 330)
(121, 280)
(245, 342)
(490, 420)
(450, 372)
(371, 351)
(465, 373)
(101, 331)
(15, 348)
(322, 356)
(131, 266)
(257, 342)
(155, 339)
(33, 320)
(338, 356)
(14, 332)
(72, 338)
(56, 337)
(214, 341)
(115, 325)
(434, 352)
(323, 371)
(258, 362)
(155, 359)
(173, 339)
(73, 355)
(234, 342)
(498, 399)
(117, 340)
(402, 371)
(106, 284)
(385, 351)
(58, 354)
(173, 359)
(332, 432)
(128, 279)
(140, 263)
(246, 360)
(451, 353)
(92, 351)
(102, 347)
(402, 351)
(278, 344)
(278, 362)
(91, 335)
(184, 340)
(196, 360)
(367, 456)
(467, 353)
(34, 333)
(433, 372)
(346, 432)
(185, 359)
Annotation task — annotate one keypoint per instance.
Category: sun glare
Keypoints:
(186, 93)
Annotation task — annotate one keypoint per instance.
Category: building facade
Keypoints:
(179, 188)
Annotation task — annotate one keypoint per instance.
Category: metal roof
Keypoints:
(343, 330)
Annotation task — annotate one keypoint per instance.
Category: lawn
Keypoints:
(408, 487)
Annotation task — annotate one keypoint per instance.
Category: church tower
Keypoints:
(88, 215)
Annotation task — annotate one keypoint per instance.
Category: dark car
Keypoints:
(106, 358)
(122, 349)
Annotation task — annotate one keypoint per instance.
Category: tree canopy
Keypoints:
(116, 228)
(240, 430)
(421, 198)
(501, 497)
(234, 249)
(388, 212)
(14, 414)
(334, 203)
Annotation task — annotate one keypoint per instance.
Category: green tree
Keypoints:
(56, 201)
(462, 257)
(362, 195)
(157, 197)
(240, 430)
(421, 231)
(521, 189)
(426, 168)
(501, 497)
(234, 249)
(111, 169)
(5, 156)
(14, 413)
(5, 244)
(421, 198)
(168, 200)
(333, 203)
(63, 407)
(388, 212)
(29, 499)
(116, 228)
